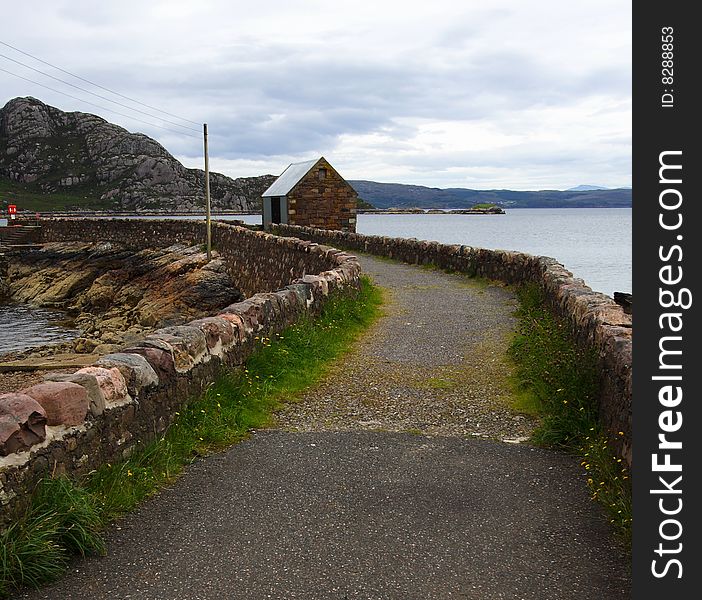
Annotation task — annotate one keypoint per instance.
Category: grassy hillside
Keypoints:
(29, 198)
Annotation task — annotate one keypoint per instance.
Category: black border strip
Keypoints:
(666, 173)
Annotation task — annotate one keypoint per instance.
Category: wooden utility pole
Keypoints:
(207, 195)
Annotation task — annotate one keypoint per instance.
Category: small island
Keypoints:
(477, 209)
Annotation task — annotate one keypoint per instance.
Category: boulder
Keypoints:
(65, 403)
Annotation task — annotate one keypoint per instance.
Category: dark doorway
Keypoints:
(275, 210)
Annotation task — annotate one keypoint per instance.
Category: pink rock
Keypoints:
(65, 403)
(238, 324)
(217, 331)
(10, 435)
(111, 382)
(22, 423)
(159, 358)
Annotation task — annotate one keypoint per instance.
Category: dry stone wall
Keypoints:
(75, 422)
(597, 322)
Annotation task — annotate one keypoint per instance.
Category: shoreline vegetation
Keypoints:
(555, 381)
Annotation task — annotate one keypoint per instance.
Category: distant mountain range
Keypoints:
(397, 195)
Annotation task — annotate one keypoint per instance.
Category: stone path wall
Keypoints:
(596, 320)
(74, 422)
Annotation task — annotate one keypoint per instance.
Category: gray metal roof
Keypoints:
(289, 178)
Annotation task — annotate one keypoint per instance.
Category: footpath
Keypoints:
(403, 475)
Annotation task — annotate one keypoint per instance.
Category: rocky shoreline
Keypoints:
(112, 295)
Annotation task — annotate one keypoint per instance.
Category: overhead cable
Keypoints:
(98, 105)
(96, 84)
(97, 95)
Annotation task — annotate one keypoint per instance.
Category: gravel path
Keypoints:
(434, 364)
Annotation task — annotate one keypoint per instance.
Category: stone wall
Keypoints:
(74, 422)
(597, 322)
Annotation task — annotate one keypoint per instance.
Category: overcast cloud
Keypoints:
(528, 94)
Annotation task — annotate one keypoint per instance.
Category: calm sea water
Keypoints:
(593, 243)
(23, 326)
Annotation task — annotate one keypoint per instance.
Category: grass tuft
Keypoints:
(557, 381)
(64, 519)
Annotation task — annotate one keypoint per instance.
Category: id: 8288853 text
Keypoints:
(667, 39)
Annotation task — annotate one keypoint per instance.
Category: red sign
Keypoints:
(12, 209)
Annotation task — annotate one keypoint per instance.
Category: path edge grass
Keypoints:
(68, 518)
(556, 381)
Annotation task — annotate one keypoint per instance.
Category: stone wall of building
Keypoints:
(597, 322)
(328, 203)
(76, 421)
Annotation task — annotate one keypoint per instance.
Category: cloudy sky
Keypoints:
(519, 94)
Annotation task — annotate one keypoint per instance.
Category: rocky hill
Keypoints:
(51, 151)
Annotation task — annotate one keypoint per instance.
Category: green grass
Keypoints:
(66, 518)
(483, 206)
(557, 381)
(437, 383)
(29, 198)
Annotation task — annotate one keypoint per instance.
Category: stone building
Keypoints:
(313, 194)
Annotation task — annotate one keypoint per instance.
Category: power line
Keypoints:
(96, 95)
(96, 84)
(98, 105)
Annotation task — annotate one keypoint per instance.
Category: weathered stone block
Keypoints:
(95, 396)
(22, 423)
(219, 333)
(65, 403)
(239, 329)
(110, 381)
(188, 343)
(136, 370)
(160, 358)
